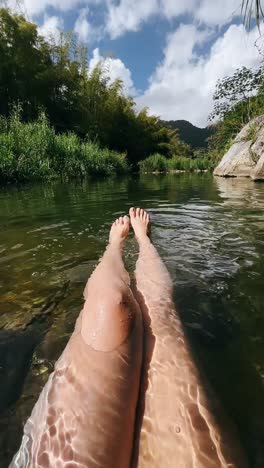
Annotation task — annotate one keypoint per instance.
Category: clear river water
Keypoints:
(209, 232)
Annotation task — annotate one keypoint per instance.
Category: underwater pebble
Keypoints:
(17, 246)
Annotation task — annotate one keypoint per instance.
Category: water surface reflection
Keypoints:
(208, 231)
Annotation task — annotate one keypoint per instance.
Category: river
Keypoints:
(210, 233)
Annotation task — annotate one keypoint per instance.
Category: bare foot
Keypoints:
(119, 230)
(140, 222)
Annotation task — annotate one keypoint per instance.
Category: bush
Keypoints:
(103, 161)
(7, 160)
(30, 145)
(67, 156)
(154, 163)
(187, 164)
(34, 151)
(158, 163)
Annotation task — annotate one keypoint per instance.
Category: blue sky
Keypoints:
(169, 53)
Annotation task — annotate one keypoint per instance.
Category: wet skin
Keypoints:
(85, 416)
(180, 423)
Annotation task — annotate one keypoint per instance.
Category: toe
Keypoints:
(132, 212)
(141, 214)
(138, 212)
(120, 220)
(126, 219)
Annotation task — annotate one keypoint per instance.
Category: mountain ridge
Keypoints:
(194, 136)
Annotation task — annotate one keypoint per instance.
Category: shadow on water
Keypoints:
(17, 349)
(209, 233)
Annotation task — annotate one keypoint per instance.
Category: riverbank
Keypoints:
(33, 151)
(158, 164)
(176, 171)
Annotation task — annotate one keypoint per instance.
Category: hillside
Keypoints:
(189, 133)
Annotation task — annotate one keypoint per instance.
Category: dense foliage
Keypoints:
(54, 76)
(239, 88)
(238, 99)
(34, 151)
(158, 163)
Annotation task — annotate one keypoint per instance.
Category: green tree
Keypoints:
(53, 75)
(24, 61)
(238, 89)
(238, 99)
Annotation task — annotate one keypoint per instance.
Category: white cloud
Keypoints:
(84, 29)
(180, 45)
(129, 15)
(51, 27)
(172, 8)
(183, 84)
(217, 12)
(116, 69)
(34, 7)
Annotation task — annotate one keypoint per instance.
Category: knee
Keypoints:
(108, 318)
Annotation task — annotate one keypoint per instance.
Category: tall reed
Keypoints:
(31, 151)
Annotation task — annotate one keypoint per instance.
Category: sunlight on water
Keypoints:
(210, 233)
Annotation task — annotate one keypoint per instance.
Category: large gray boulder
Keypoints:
(258, 172)
(258, 151)
(245, 158)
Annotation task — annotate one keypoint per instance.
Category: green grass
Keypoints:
(154, 163)
(158, 163)
(252, 132)
(32, 151)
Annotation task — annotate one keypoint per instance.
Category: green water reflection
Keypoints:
(210, 234)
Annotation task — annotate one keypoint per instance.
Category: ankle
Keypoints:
(117, 244)
(143, 240)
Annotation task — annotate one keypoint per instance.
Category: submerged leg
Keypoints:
(180, 425)
(85, 414)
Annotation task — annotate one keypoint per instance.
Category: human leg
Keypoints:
(181, 425)
(85, 414)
